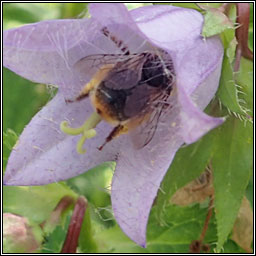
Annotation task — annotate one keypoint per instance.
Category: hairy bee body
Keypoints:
(129, 89)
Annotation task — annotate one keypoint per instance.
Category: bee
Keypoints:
(129, 89)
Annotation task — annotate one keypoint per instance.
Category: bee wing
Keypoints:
(96, 60)
(144, 133)
(89, 65)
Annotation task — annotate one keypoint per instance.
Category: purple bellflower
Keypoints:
(47, 52)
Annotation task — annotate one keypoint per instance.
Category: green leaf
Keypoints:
(232, 167)
(131, 6)
(187, 165)
(249, 191)
(244, 79)
(22, 99)
(215, 22)
(250, 41)
(227, 91)
(54, 241)
(183, 5)
(229, 41)
(183, 225)
(196, 6)
(94, 184)
(113, 240)
(16, 14)
(24, 13)
(231, 247)
(235, 90)
(34, 202)
(9, 140)
(73, 10)
(177, 219)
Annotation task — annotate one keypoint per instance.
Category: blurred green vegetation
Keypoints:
(22, 99)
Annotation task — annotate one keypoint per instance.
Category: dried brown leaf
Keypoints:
(243, 228)
(194, 192)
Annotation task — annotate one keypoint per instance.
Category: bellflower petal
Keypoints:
(135, 184)
(43, 154)
(46, 52)
(49, 50)
(132, 197)
(193, 122)
(197, 63)
(168, 26)
(45, 49)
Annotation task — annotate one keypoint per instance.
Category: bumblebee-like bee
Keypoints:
(130, 89)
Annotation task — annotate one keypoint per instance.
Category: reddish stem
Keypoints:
(207, 220)
(75, 225)
(243, 19)
(55, 216)
(195, 247)
(198, 246)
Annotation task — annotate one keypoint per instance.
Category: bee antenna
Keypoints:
(69, 101)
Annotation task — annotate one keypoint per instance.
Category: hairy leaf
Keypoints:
(232, 168)
(54, 241)
(244, 79)
(187, 165)
(227, 91)
(215, 22)
(35, 203)
(183, 225)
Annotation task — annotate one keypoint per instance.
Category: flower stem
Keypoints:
(197, 246)
(207, 220)
(243, 18)
(71, 241)
(55, 216)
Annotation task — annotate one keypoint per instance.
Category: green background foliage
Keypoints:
(172, 228)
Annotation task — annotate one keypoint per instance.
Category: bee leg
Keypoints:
(93, 84)
(118, 130)
(78, 98)
(84, 93)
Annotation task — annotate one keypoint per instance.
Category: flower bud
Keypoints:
(19, 236)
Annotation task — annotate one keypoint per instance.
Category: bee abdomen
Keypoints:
(113, 101)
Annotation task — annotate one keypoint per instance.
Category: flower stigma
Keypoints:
(86, 129)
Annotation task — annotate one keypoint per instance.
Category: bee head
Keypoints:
(157, 73)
